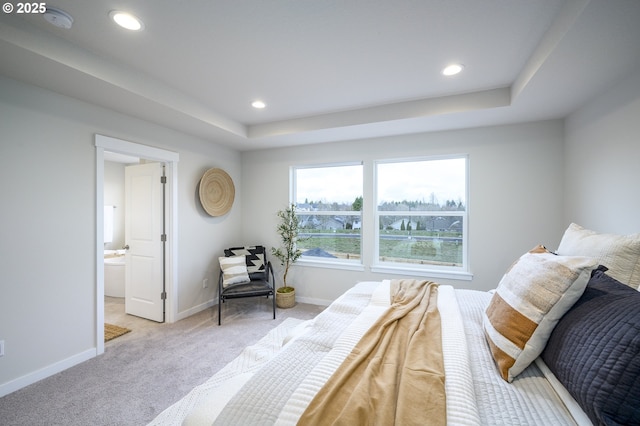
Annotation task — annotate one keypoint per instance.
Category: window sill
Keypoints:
(345, 265)
(385, 269)
(419, 272)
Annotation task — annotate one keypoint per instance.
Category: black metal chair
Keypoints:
(259, 280)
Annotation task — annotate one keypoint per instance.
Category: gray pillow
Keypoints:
(594, 351)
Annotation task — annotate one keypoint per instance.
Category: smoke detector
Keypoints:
(57, 17)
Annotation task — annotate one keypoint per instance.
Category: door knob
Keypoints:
(126, 247)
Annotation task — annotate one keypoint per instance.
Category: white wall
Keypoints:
(519, 176)
(516, 175)
(48, 225)
(602, 170)
(114, 196)
(203, 238)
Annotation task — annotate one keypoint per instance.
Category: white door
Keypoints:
(144, 235)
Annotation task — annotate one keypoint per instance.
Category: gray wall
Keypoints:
(48, 225)
(114, 196)
(515, 195)
(528, 182)
(520, 175)
(602, 167)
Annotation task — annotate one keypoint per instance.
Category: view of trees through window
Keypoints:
(329, 205)
(420, 211)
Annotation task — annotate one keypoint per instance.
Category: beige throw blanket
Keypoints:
(395, 374)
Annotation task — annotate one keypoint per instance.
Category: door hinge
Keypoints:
(163, 295)
(163, 238)
(163, 179)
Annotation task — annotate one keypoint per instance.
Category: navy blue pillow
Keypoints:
(594, 351)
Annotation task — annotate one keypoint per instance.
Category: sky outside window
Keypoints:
(336, 184)
(443, 180)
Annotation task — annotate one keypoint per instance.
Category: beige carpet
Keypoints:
(112, 331)
(143, 372)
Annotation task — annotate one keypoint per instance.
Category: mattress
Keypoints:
(276, 387)
(529, 400)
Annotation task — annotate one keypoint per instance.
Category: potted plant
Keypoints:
(288, 253)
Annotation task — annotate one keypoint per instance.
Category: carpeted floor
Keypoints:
(145, 371)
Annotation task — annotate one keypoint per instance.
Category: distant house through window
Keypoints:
(328, 201)
(416, 222)
(421, 214)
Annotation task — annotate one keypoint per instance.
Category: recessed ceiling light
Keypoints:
(258, 104)
(452, 69)
(126, 20)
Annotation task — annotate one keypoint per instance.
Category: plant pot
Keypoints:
(285, 299)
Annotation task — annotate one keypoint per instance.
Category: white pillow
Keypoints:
(234, 270)
(538, 289)
(619, 253)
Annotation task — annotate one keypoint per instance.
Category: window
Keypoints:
(421, 214)
(328, 201)
(417, 220)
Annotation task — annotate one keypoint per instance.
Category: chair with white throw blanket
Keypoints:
(245, 272)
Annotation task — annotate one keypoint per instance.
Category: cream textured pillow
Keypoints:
(619, 253)
(234, 270)
(533, 295)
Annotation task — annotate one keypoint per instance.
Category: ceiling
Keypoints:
(328, 70)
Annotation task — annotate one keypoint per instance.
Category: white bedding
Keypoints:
(529, 400)
(475, 392)
(203, 402)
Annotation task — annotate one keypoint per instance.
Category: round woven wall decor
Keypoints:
(216, 192)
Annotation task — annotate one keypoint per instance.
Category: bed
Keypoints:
(557, 342)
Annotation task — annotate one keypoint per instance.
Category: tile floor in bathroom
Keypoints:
(114, 314)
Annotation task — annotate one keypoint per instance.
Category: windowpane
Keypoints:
(422, 185)
(423, 240)
(329, 203)
(329, 187)
(421, 212)
(330, 236)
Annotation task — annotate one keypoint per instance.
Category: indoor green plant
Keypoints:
(287, 253)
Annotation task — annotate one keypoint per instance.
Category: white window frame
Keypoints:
(425, 270)
(334, 263)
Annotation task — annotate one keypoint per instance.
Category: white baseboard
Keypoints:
(210, 303)
(43, 373)
(314, 301)
(195, 310)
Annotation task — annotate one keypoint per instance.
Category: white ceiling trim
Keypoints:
(389, 112)
(564, 21)
(126, 79)
(527, 63)
(40, 43)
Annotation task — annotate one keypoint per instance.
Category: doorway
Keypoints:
(134, 198)
(170, 159)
